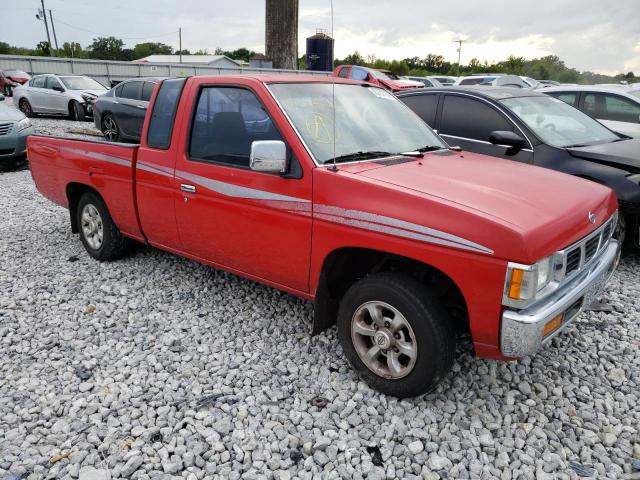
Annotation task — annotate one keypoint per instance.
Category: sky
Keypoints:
(593, 35)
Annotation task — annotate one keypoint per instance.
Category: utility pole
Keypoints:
(46, 25)
(459, 42)
(180, 42)
(53, 28)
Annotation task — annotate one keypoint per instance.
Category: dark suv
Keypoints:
(119, 113)
(534, 128)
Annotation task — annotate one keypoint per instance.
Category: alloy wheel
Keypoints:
(92, 226)
(110, 129)
(384, 340)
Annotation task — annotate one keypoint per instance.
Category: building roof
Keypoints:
(201, 59)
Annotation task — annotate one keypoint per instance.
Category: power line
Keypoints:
(459, 42)
(123, 37)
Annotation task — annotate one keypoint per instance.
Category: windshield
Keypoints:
(383, 75)
(367, 119)
(16, 73)
(81, 83)
(557, 123)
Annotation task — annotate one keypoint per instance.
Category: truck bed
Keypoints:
(57, 164)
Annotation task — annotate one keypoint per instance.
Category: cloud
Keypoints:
(586, 34)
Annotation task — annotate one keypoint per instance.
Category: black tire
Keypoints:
(113, 245)
(25, 107)
(76, 111)
(432, 328)
(110, 128)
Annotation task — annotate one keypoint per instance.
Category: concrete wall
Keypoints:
(107, 71)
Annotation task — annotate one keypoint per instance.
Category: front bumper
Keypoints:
(522, 331)
(14, 144)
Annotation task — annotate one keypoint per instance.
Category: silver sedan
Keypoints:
(69, 95)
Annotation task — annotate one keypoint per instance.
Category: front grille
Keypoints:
(5, 128)
(591, 247)
(573, 260)
(581, 253)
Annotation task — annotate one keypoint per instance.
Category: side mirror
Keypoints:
(57, 88)
(268, 156)
(507, 138)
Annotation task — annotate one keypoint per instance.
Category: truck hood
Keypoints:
(624, 154)
(528, 200)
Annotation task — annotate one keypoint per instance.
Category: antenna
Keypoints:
(333, 93)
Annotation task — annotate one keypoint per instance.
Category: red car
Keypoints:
(9, 79)
(362, 209)
(382, 78)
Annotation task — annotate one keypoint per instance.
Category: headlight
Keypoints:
(24, 123)
(634, 178)
(524, 282)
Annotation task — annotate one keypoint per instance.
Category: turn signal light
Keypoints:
(515, 285)
(552, 325)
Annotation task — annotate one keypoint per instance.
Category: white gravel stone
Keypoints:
(211, 376)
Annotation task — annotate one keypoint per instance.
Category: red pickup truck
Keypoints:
(334, 191)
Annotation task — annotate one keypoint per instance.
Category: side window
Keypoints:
(469, 118)
(344, 71)
(164, 112)
(568, 98)
(52, 82)
(119, 90)
(147, 89)
(621, 109)
(226, 121)
(472, 81)
(131, 90)
(358, 74)
(38, 82)
(424, 105)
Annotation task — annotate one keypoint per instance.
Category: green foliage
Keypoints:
(106, 48)
(142, 50)
(239, 54)
(544, 68)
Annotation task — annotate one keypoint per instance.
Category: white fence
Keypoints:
(107, 72)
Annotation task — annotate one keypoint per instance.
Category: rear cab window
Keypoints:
(343, 72)
(164, 113)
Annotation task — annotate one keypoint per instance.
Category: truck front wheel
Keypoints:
(100, 236)
(396, 334)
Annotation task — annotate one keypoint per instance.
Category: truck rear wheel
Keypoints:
(396, 335)
(100, 236)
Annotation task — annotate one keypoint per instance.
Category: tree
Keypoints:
(142, 50)
(43, 48)
(184, 51)
(281, 33)
(5, 48)
(72, 50)
(106, 48)
(239, 54)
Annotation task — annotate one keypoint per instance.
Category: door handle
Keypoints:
(142, 107)
(187, 188)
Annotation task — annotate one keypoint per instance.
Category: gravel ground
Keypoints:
(157, 367)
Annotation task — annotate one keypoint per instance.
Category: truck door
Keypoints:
(255, 223)
(155, 170)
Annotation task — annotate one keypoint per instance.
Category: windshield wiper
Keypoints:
(359, 156)
(419, 152)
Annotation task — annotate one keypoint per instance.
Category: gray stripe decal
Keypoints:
(372, 217)
(99, 156)
(374, 227)
(237, 191)
(152, 169)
